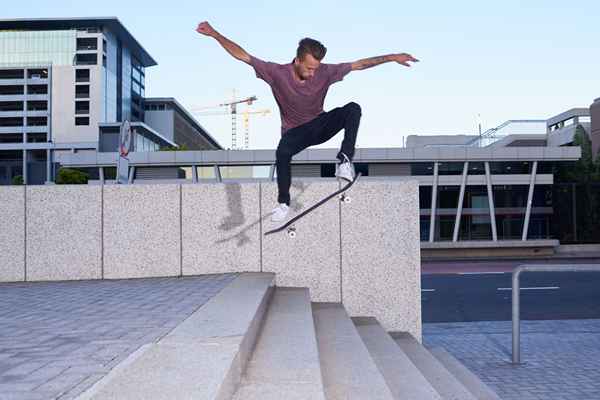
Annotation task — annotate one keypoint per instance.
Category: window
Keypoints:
(11, 121)
(36, 137)
(11, 74)
(82, 121)
(37, 106)
(84, 44)
(82, 107)
(82, 75)
(37, 121)
(86, 59)
(37, 74)
(421, 168)
(11, 90)
(82, 91)
(37, 89)
(11, 106)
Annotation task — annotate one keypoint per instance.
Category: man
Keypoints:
(299, 89)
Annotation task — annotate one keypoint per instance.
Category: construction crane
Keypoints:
(232, 105)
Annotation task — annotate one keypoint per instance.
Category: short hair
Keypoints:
(312, 47)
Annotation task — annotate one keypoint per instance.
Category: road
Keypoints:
(481, 291)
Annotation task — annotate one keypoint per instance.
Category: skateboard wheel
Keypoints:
(347, 200)
(292, 233)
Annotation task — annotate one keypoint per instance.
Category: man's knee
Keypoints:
(353, 108)
(283, 153)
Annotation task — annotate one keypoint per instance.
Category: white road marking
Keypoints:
(533, 288)
(427, 290)
(483, 273)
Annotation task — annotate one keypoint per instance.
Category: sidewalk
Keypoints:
(59, 338)
(561, 358)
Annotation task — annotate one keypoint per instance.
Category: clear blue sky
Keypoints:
(503, 59)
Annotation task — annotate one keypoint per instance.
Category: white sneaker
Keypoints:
(345, 170)
(280, 212)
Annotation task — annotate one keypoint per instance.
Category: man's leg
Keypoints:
(292, 142)
(347, 118)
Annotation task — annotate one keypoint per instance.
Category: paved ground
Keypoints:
(57, 339)
(561, 358)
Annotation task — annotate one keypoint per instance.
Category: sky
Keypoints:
(501, 60)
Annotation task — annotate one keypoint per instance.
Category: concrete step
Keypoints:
(471, 381)
(402, 377)
(349, 372)
(285, 363)
(203, 357)
(438, 376)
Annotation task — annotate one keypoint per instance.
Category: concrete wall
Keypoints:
(365, 253)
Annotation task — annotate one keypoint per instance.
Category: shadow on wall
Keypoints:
(236, 216)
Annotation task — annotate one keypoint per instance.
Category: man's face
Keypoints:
(306, 68)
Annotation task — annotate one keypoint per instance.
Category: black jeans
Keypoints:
(312, 133)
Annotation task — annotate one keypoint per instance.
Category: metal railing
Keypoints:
(516, 289)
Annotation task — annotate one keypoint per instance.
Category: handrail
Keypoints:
(516, 288)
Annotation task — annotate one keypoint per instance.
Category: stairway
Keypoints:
(257, 341)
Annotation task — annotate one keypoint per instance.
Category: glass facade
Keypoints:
(37, 47)
(110, 80)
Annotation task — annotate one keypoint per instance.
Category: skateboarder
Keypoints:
(299, 89)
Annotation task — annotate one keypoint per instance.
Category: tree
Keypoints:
(584, 174)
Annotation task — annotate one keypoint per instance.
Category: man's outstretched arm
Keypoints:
(232, 48)
(402, 58)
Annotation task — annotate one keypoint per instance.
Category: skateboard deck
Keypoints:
(289, 224)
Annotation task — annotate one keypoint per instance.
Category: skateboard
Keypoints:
(289, 225)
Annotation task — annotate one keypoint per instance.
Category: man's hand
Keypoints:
(236, 51)
(404, 59)
(205, 29)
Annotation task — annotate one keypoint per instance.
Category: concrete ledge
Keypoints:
(487, 248)
(142, 231)
(381, 264)
(152, 230)
(203, 358)
(63, 228)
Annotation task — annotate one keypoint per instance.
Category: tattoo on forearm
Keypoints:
(371, 62)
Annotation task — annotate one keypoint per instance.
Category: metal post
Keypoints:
(131, 174)
(488, 179)
(48, 156)
(529, 201)
(461, 199)
(272, 172)
(574, 197)
(49, 138)
(516, 317)
(194, 173)
(24, 167)
(24, 129)
(433, 202)
(218, 173)
(516, 289)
